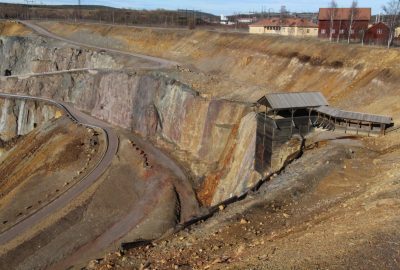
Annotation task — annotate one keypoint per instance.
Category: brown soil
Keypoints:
(9, 28)
(42, 165)
(328, 210)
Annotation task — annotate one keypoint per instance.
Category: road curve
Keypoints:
(163, 63)
(74, 191)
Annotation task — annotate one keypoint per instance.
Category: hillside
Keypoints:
(244, 67)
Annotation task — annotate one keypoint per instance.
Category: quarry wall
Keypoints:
(210, 137)
(19, 117)
(21, 55)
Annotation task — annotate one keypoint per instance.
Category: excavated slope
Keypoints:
(191, 115)
(244, 67)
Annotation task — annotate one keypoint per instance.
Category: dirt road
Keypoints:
(160, 62)
(75, 190)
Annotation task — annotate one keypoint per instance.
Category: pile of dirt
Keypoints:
(12, 28)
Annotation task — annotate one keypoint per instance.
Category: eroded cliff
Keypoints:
(206, 135)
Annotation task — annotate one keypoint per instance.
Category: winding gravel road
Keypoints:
(77, 189)
(187, 197)
(160, 62)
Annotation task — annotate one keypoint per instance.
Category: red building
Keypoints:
(336, 22)
(377, 34)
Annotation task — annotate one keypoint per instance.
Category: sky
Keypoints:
(218, 7)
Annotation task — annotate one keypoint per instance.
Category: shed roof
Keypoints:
(361, 14)
(293, 100)
(365, 117)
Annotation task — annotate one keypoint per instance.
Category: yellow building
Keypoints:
(286, 27)
(397, 32)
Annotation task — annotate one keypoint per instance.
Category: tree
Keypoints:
(352, 15)
(332, 15)
(392, 10)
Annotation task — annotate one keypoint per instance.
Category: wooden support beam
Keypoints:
(291, 124)
(369, 129)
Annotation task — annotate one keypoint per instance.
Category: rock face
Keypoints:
(19, 117)
(202, 133)
(21, 55)
(213, 138)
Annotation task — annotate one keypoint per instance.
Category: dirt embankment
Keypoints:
(9, 28)
(244, 67)
(43, 164)
(328, 210)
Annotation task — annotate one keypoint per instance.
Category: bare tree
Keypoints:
(353, 14)
(332, 15)
(340, 26)
(392, 10)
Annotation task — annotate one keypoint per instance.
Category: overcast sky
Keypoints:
(218, 7)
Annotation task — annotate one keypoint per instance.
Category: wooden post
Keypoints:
(382, 129)
(291, 124)
(370, 127)
(309, 120)
(345, 131)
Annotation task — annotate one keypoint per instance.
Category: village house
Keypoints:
(377, 34)
(337, 23)
(286, 27)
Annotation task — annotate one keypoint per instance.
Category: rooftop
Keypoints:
(288, 22)
(364, 117)
(281, 101)
(360, 14)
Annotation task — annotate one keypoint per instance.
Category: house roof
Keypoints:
(379, 24)
(293, 100)
(287, 22)
(361, 14)
(365, 117)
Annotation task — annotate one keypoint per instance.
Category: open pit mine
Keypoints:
(141, 148)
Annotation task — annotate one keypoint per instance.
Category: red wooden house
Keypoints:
(377, 34)
(337, 21)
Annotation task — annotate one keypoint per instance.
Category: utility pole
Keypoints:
(79, 9)
(28, 2)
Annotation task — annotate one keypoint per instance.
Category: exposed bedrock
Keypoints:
(21, 55)
(19, 117)
(206, 135)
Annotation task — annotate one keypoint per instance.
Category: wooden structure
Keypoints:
(338, 22)
(377, 34)
(285, 115)
(355, 122)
